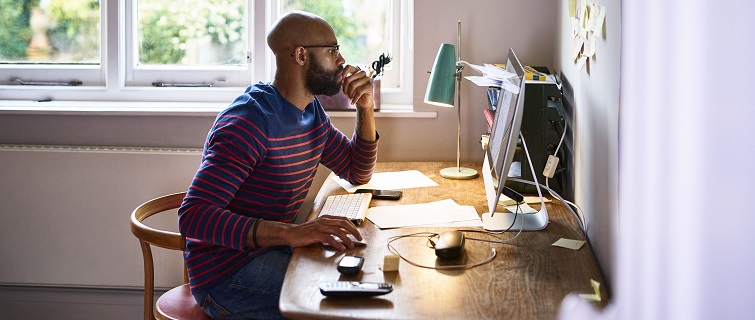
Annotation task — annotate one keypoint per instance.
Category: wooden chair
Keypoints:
(177, 303)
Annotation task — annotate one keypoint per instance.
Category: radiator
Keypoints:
(65, 213)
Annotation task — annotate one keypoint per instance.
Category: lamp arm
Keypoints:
(461, 63)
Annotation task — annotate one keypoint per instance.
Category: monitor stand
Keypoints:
(500, 221)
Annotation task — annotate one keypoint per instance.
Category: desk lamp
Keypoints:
(440, 92)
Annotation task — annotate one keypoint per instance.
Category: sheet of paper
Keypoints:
(493, 76)
(474, 221)
(592, 297)
(390, 181)
(569, 243)
(423, 214)
(484, 81)
(498, 72)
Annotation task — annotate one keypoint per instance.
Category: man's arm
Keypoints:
(357, 85)
(273, 233)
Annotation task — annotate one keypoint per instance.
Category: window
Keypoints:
(43, 41)
(188, 42)
(191, 50)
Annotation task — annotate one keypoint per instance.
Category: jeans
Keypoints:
(253, 292)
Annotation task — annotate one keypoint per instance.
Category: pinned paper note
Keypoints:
(572, 8)
(581, 62)
(601, 19)
(590, 18)
(569, 243)
(592, 297)
(589, 47)
(574, 27)
(578, 43)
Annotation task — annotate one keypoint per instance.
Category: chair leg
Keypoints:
(149, 282)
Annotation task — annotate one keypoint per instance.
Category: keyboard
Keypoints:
(353, 206)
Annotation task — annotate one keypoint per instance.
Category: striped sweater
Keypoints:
(259, 161)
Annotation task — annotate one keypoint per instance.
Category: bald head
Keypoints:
(298, 28)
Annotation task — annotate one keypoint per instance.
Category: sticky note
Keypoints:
(572, 8)
(569, 243)
(601, 18)
(590, 47)
(581, 62)
(390, 262)
(592, 297)
(577, 48)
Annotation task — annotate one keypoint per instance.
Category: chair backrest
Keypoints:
(161, 238)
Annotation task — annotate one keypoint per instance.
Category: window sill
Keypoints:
(119, 108)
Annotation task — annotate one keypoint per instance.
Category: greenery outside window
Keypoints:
(191, 50)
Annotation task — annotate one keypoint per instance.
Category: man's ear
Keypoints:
(300, 56)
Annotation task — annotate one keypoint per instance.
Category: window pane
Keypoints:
(361, 26)
(192, 32)
(50, 31)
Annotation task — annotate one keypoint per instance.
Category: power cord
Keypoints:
(431, 244)
(548, 172)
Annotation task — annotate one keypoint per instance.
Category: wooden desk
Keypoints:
(527, 280)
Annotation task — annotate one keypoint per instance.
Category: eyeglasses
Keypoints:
(334, 49)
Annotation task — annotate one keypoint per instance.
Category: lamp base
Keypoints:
(457, 173)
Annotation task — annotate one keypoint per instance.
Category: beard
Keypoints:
(320, 81)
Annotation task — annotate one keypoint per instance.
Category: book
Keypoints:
(530, 73)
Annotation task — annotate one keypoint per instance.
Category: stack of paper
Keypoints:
(493, 76)
(440, 213)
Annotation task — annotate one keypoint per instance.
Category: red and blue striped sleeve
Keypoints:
(231, 151)
(352, 160)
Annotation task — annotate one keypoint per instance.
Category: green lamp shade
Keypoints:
(440, 88)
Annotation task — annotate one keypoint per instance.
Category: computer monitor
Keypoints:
(499, 155)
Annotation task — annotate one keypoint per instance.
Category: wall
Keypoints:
(593, 96)
(685, 164)
(489, 28)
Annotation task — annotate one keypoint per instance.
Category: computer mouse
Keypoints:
(450, 245)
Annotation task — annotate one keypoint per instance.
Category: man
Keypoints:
(258, 163)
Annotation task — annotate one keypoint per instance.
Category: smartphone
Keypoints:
(382, 194)
(350, 264)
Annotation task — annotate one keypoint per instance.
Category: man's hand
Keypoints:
(358, 87)
(320, 230)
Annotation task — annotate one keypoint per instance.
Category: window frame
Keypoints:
(144, 76)
(108, 82)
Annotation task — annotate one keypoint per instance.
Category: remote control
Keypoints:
(354, 289)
